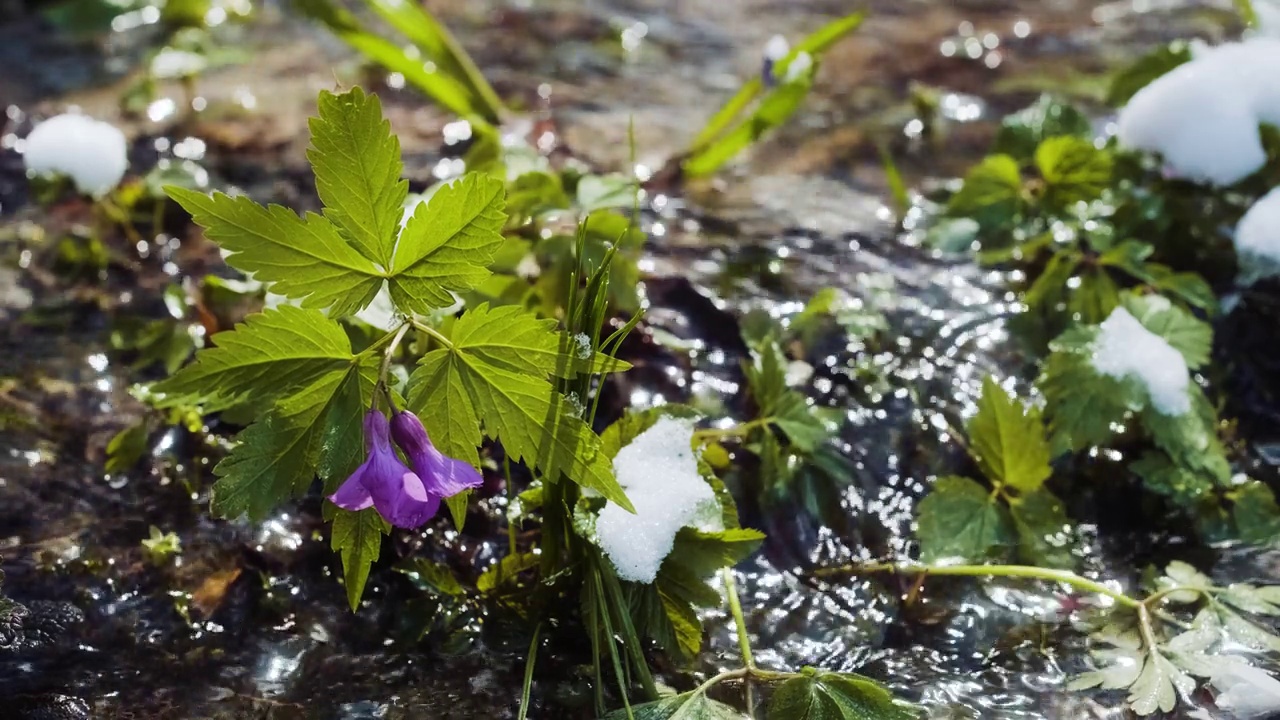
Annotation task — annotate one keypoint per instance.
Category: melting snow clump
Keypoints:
(1258, 239)
(1203, 116)
(1125, 348)
(90, 152)
(1246, 692)
(659, 471)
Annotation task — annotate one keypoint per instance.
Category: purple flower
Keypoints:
(385, 483)
(444, 476)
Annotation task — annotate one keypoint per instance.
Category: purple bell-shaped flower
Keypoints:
(443, 476)
(385, 483)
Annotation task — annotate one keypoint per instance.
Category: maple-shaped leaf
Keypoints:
(821, 695)
(278, 456)
(471, 384)
(1008, 440)
(356, 160)
(510, 338)
(304, 258)
(357, 538)
(447, 245)
(268, 356)
(960, 519)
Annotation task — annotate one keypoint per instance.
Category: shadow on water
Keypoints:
(249, 620)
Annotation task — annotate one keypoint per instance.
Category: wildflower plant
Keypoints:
(318, 401)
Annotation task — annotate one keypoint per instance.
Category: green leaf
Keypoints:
(277, 457)
(774, 110)
(960, 519)
(126, 447)
(1081, 405)
(598, 192)
(458, 508)
(1186, 286)
(633, 422)
(357, 537)
(786, 409)
(445, 89)
(1256, 513)
(1140, 74)
(511, 338)
(1044, 530)
(1047, 289)
(505, 570)
(1022, 132)
(448, 243)
(1162, 476)
(704, 553)
(1095, 298)
(1073, 170)
(686, 706)
(1158, 685)
(953, 235)
(356, 160)
(991, 194)
(821, 695)
(431, 576)
(268, 356)
(1007, 440)
(1188, 335)
(456, 389)
(440, 47)
(304, 258)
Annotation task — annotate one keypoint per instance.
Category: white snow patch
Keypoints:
(1125, 348)
(172, 63)
(659, 471)
(1246, 692)
(1203, 116)
(90, 152)
(1258, 239)
(798, 67)
(777, 48)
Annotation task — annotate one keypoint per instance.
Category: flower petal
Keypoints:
(352, 494)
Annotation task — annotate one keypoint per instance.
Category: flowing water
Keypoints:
(250, 621)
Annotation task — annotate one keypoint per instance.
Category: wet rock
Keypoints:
(52, 707)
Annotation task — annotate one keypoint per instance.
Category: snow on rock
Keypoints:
(659, 471)
(1258, 239)
(1203, 116)
(1126, 349)
(1246, 692)
(90, 152)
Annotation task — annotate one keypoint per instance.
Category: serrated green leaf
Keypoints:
(277, 457)
(786, 409)
(820, 695)
(267, 356)
(356, 160)
(457, 505)
(127, 446)
(431, 576)
(1044, 530)
(1256, 514)
(1162, 476)
(1158, 685)
(455, 389)
(505, 570)
(342, 446)
(448, 243)
(1007, 439)
(705, 552)
(357, 537)
(1022, 132)
(991, 194)
(686, 706)
(1073, 170)
(1081, 405)
(1188, 335)
(304, 258)
(952, 235)
(1246, 633)
(510, 337)
(598, 192)
(960, 519)
(1047, 289)
(1249, 599)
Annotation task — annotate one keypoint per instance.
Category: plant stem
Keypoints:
(1017, 571)
(120, 218)
(528, 673)
(390, 351)
(511, 496)
(433, 333)
(744, 640)
(709, 434)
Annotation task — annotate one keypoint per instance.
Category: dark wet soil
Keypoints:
(249, 620)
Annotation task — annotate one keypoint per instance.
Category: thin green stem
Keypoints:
(528, 673)
(740, 625)
(1015, 571)
(433, 333)
(390, 352)
(709, 434)
(511, 497)
(120, 218)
